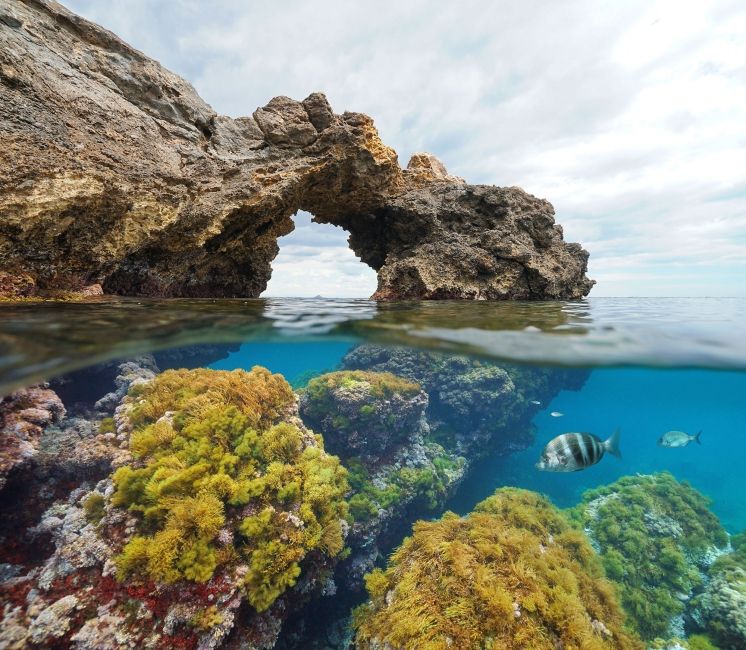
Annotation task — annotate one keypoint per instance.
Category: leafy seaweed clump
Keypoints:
(224, 474)
(512, 574)
(94, 507)
(427, 486)
(655, 535)
(382, 384)
(107, 425)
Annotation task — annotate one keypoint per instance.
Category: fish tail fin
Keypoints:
(612, 444)
(696, 437)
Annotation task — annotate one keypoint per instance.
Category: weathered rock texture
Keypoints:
(114, 172)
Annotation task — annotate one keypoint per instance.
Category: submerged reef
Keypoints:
(23, 416)
(475, 407)
(657, 538)
(512, 574)
(116, 176)
(721, 608)
(375, 422)
(363, 413)
(224, 512)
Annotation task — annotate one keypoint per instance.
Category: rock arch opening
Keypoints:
(315, 259)
(178, 201)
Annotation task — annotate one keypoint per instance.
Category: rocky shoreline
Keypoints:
(116, 177)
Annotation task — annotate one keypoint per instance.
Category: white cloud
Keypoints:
(628, 116)
(315, 260)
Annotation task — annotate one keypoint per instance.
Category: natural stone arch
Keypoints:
(114, 171)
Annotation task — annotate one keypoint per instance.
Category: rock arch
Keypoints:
(114, 171)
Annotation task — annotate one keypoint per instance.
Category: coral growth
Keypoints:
(656, 538)
(512, 574)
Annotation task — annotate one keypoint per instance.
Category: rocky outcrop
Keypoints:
(475, 407)
(23, 416)
(375, 422)
(114, 172)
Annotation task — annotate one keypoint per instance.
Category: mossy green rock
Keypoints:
(722, 605)
(224, 474)
(512, 574)
(368, 414)
(656, 537)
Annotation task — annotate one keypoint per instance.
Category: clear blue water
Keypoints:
(651, 365)
(643, 404)
(292, 360)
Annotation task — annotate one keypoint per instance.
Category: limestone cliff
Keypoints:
(113, 171)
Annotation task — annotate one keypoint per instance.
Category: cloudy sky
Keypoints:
(630, 117)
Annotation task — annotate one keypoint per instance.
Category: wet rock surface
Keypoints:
(23, 416)
(117, 176)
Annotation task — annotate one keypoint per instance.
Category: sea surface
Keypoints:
(653, 365)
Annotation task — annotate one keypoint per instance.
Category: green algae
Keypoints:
(222, 475)
(513, 573)
(653, 534)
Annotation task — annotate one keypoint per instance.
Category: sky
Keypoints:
(630, 117)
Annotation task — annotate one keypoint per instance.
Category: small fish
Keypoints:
(678, 439)
(572, 452)
(535, 401)
(557, 414)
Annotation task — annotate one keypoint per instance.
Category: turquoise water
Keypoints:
(639, 366)
(294, 361)
(643, 404)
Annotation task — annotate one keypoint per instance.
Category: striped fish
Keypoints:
(572, 452)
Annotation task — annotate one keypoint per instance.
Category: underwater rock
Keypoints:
(721, 607)
(23, 416)
(375, 422)
(225, 514)
(657, 539)
(512, 574)
(129, 373)
(475, 407)
(201, 355)
(364, 414)
(114, 172)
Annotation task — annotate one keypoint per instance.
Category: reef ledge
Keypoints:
(114, 172)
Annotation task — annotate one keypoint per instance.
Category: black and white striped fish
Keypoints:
(571, 452)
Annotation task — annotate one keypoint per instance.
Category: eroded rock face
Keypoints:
(23, 416)
(113, 171)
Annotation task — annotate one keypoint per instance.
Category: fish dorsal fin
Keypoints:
(612, 444)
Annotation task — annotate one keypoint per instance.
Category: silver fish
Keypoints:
(572, 452)
(535, 401)
(678, 439)
(557, 414)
